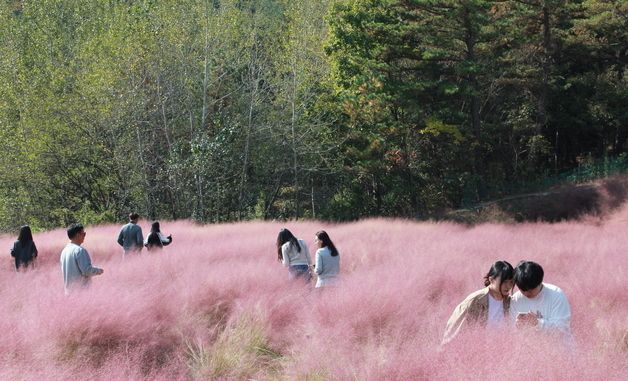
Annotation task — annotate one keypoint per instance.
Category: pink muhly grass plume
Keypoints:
(216, 304)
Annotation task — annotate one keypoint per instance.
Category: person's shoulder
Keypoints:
(516, 296)
(69, 247)
(553, 289)
(323, 250)
(81, 250)
(477, 295)
(473, 299)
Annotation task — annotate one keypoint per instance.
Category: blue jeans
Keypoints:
(300, 271)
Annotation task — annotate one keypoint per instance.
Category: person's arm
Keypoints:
(84, 263)
(13, 250)
(149, 241)
(560, 317)
(513, 312)
(456, 322)
(139, 239)
(121, 237)
(319, 263)
(35, 252)
(307, 253)
(285, 258)
(165, 240)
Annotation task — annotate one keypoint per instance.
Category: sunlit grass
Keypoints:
(216, 304)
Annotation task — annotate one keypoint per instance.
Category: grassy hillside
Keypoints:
(217, 305)
(566, 201)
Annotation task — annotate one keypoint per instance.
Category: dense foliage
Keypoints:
(224, 110)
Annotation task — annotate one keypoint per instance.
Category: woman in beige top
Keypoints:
(487, 307)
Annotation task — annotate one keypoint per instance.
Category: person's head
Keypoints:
(25, 234)
(133, 217)
(76, 233)
(284, 236)
(155, 227)
(323, 240)
(499, 278)
(529, 278)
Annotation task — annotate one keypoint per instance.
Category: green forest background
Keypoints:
(223, 110)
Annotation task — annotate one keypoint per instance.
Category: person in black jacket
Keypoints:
(156, 240)
(24, 250)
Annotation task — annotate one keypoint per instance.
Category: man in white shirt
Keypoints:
(537, 304)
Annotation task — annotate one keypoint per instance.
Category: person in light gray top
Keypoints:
(130, 237)
(76, 265)
(294, 254)
(327, 260)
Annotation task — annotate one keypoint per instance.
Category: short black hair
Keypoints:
(528, 275)
(74, 229)
(133, 216)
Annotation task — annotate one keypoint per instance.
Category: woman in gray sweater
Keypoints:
(294, 254)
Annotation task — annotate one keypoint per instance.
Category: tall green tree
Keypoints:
(415, 76)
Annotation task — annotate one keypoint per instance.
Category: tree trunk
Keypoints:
(254, 78)
(474, 111)
(545, 66)
(295, 148)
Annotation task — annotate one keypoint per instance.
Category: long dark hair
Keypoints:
(25, 235)
(324, 238)
(284, 236)
(500, 269)
(155, 227)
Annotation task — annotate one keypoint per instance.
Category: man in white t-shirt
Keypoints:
(537, 304)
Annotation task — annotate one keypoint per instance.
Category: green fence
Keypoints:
(585, 172)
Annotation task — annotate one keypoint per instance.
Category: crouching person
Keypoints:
(538, 304)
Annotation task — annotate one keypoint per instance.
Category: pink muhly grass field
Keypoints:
(216, 304)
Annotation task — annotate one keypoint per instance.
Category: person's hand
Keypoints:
(530, 319)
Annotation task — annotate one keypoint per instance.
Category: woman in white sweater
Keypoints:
(327, 260)
(294, 254)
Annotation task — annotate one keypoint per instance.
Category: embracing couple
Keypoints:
(538, 305)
